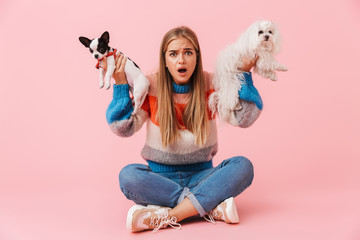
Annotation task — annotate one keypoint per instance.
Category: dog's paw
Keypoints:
(101, 85)
(136, 108)
(107, 86)
(272, 76)
(282, 68)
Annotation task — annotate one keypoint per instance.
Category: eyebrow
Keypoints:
(186, 49)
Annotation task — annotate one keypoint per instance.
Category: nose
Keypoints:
(181, 59)
(96, 56)
(266, 37)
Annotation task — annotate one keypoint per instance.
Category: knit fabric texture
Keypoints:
(184, 151)
(248, 91)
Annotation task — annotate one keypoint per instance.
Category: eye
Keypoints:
(270, 32)
(91, 50)
(189, 53)
(172, 54)
(261, 32)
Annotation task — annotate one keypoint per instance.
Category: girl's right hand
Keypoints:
(119, 73)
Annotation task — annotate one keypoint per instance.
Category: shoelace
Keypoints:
(158, 222)
(210, 217)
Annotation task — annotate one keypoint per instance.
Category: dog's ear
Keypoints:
(85, 41)
(105, 36)
(252, 36)
(277, 39)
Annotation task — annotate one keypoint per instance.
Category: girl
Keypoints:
(179, 180)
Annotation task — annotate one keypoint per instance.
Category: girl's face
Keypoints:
(180, 59)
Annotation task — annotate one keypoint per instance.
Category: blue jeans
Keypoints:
(205, 188)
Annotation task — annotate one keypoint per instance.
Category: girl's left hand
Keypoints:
(247, 64)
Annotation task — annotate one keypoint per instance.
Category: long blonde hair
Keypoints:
(195, 115)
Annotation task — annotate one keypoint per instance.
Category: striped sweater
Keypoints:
(184, 151)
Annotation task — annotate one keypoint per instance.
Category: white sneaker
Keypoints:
(142, 218)
(225, 211)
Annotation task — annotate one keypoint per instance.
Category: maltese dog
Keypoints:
(262, 39)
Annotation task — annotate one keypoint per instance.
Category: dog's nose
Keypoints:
(96, 56)
(266, 37)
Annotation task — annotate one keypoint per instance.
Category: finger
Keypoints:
(123, 63)
(118, 62)
(104, 63)
(117, 56)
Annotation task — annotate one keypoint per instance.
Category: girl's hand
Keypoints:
(247, 64)
(119, 74)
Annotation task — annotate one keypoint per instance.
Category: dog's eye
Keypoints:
(261, 32)
(91, 50)
(270, 32)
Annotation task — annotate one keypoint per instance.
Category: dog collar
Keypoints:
(109, 54)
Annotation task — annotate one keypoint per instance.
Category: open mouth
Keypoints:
(182, 70)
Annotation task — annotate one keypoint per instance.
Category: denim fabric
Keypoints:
(205, 188)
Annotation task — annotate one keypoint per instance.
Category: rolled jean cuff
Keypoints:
(186, 193)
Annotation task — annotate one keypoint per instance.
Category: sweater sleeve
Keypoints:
(250, 102)
(119, 113)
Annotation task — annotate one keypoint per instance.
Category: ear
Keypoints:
(253, 36)
(277, 40)
(105, 36)
(85, 41)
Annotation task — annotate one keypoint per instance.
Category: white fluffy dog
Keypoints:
(261, 39)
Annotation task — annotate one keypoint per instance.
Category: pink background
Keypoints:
(60, 162)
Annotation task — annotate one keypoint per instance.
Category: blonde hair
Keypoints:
(195, 115)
